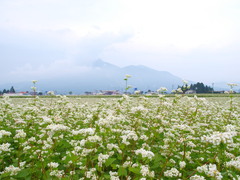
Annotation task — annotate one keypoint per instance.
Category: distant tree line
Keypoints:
(198, 87)
(201, 88)
(11, 90)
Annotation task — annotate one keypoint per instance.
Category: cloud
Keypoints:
(182, 37)
(48, 54)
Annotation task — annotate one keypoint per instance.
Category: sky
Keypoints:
(197, 40)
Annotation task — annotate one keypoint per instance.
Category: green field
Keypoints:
(219, 98)
(86, 137)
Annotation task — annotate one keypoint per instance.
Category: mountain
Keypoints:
(102, 75)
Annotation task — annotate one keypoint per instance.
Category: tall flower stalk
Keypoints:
(231, 85)
(185, 86)
(127, 76)
(34, 88)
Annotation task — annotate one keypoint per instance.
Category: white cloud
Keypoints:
(61, 68)
(177, 36)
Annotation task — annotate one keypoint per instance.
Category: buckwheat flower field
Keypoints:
(123, 138)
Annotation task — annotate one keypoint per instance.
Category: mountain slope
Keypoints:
(105, 76)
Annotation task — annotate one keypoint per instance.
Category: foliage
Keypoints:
(201, 88)
(12, 90)
(153, 138)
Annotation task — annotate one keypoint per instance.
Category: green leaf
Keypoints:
(110, 161)
(122, 171)
(114, 166)
(134, 170)
(23, 173)
(4, 175)
(107, 176)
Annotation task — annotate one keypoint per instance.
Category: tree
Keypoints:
(4, 91)
(201, 88)
(12, 90)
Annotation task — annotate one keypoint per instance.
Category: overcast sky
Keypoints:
(196, 40)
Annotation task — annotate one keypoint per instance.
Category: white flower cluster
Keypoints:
(182, 164)
(128, 76)
(234, 163)
(58, 173)
(46, 119)
(4, 133)
(51, 93)
(114, 175)
(94, 138)
(162, 90)
(217, 137)
(102, 159)
(20, 134)
(120, 133)
(12, 170)
(57, 127)
(179, 90)
(87, 131)
(53, 165)
(197, 177)
(210, 170)
(137, 92)
(145, 153)
(172, 173)
(127, 164)
(34, 88)
(91, 174)
(129, 135)
(146, 172)
(138, 109)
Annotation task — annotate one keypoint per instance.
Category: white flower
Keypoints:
(217, 137)
(182, 164)
(13, 170)
(137, 92)
(51, 93)
(179, 90)
(4, 133)
(146, 172)
(162, 90)
(197, 177)
(185, 82)
(34, 88)
(234, 163)
(210, 170)
(232, 84)
(57, 173)
(20, 134)
(34, 81)
(57, 127)
(5, 147)
(145, 153)
(87, 131)
(114, 175)
(103, 157)
(128, 76)
(172, 173)
(53, 165)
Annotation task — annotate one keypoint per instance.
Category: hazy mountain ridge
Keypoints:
(104, 76)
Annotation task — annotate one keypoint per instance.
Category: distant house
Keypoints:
(218, 92)
(16, 94)
(190, 92)
(88, 93)
(110, 92)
